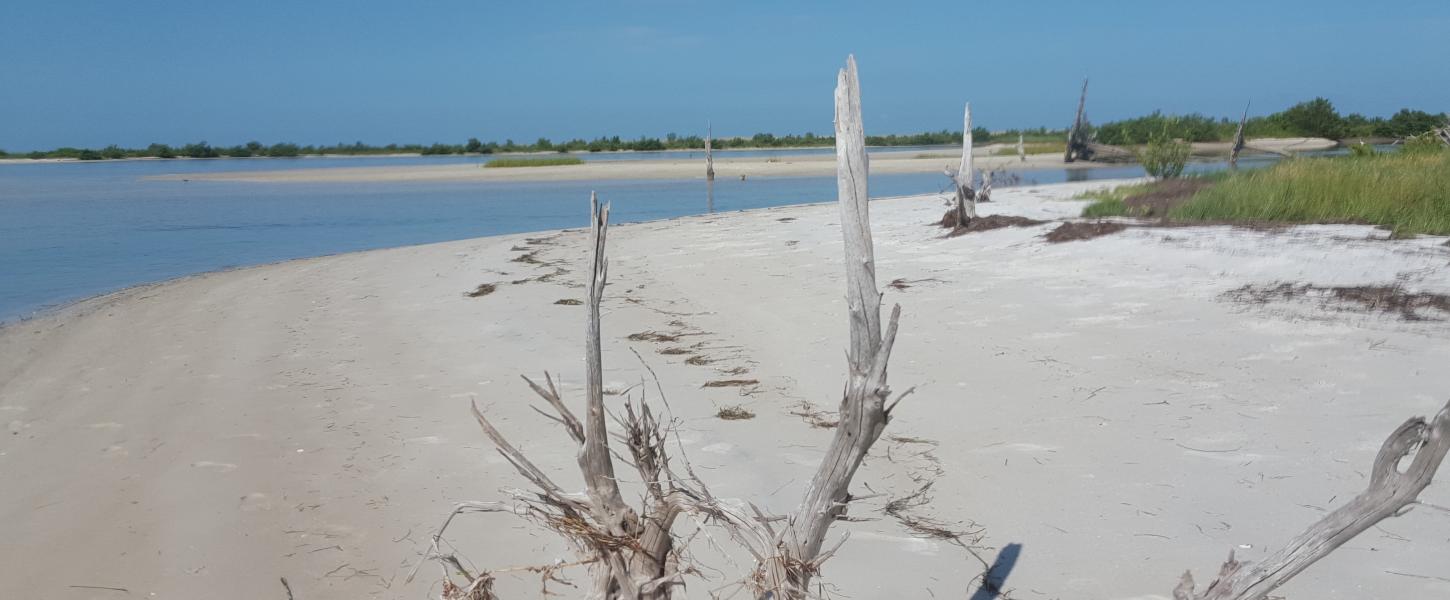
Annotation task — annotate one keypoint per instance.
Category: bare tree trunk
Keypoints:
(964, 202)
(1233, 156)
(863, 411)
(1390, 493)
(1021, 149)
(1077, 134)
(709, 158)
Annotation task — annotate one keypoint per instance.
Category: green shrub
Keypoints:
(1141, 130)
(1164, 157)
(1315, 118)
(1425, 143)
(283, 150)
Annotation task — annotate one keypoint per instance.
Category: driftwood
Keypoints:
(1077, 135)
(1105, 153)
(1238, 146)
(964, 202)
(1021, 149)
(709, 157)
(864, 410)
(631, 553)
(966, 196)
(1391, 492)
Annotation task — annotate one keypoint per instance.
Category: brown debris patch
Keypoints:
(813, 416)
(901, 283)
(1163, 195)
(1073, 231)
(903, 439)
(989, 223)
(731, 383)
(675, 351)
(529, 258)
(1393, 299)
(698, 360)
(483, 289)
(786, 219)
(733, 371)
(653, 336)
(734, 413)
(568, 302)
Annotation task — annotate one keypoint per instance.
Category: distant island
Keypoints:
(1314, 118)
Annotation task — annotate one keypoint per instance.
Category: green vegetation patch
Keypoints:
(544, 161)
(1407, 192)
(1040, 148)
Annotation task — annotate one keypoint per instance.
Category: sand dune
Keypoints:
(1098, 402)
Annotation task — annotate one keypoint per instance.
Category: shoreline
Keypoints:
(56, 308)
(1201, 149)
(725, 168)
(308, 418)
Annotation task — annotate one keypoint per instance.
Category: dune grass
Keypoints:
(1406, 192)
(1109, 202)
(1409, 193)
(549, 161)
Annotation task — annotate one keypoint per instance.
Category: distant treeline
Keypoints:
(1315, 118)
(474, 146)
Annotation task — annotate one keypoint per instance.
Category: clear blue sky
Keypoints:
(130, 73)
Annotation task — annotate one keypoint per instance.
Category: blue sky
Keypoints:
(130, 73)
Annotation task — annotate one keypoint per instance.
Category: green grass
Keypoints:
(1409, 193)
(1109, 201)
(551, 161)
(1043, 148)
(1406, 192)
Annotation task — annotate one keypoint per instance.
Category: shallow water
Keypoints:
(73, 230)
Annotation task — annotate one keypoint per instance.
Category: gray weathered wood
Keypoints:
(1077, 134)
(1021, 149)
(709, 156)
(1238, 146)
(863, 410)
(964, 200)
(594, 460)
(1391, 491)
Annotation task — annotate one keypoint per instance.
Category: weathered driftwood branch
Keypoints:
(1077, 135)
(633, 555)
(863, 411)
(1238, 146)
(630, 554)
(964, 202)
(709, 156)
(1021, 149)
(1390, 493)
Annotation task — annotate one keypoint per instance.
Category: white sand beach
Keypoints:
(1099, 402)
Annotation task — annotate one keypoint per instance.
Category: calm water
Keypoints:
(73, 230)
